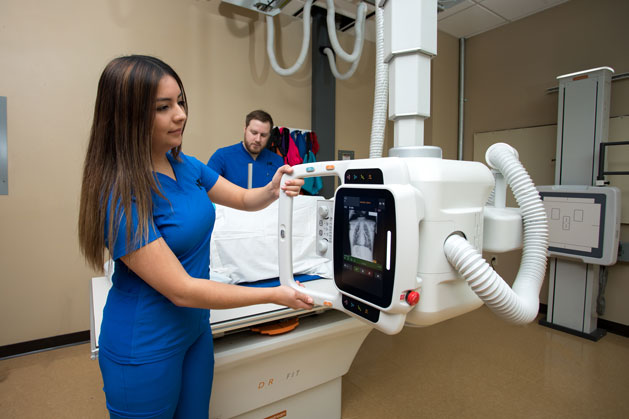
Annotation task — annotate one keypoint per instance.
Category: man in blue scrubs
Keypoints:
(233, 162)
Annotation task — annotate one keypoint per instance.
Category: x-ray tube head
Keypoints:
(394, 241)
(391, 219)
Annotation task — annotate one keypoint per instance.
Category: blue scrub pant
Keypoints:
(176, 387)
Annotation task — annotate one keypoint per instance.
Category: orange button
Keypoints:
(327, 303)
(329, 167)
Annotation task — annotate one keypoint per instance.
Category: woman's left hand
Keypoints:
(291, 187)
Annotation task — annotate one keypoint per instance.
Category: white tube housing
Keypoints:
(454, 195)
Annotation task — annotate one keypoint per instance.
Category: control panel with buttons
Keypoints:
(363, 310)
(325, 227)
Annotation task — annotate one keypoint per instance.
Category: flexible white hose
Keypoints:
(498, 196)
(305, 43)
(381, 90)
(492, 198)
(335, 71)
(361, 12)
(519, 304)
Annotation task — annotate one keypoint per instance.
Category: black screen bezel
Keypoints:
(344, 278)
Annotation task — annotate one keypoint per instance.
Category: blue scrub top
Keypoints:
(232, 163)
(140, 324)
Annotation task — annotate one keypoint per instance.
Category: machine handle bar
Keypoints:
(285, 226)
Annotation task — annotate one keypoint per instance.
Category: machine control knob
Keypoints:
(322, 246)
(412, 298)
(324, 212)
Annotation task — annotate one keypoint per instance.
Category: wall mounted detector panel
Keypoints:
(583, 222)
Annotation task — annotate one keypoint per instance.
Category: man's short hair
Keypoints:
(258, 115)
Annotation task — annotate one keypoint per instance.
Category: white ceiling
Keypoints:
(461, 18)
(472, 17)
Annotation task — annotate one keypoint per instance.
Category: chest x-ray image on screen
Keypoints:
(362, 229)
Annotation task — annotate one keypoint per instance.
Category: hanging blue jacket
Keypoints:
(300, 140)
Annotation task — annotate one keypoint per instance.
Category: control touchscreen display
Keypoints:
(364, 243)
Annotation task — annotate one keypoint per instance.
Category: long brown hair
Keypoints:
(118, 168)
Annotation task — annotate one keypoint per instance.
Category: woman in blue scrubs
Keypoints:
(150, 206)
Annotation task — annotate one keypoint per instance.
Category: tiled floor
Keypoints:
(473, 366)
(478, 366)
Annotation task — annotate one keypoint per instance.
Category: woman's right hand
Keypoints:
(292, 298)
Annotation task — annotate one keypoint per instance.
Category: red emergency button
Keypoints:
(412, 298)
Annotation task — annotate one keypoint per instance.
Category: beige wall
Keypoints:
(441, 129)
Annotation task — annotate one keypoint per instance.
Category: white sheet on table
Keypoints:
(244, 245)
